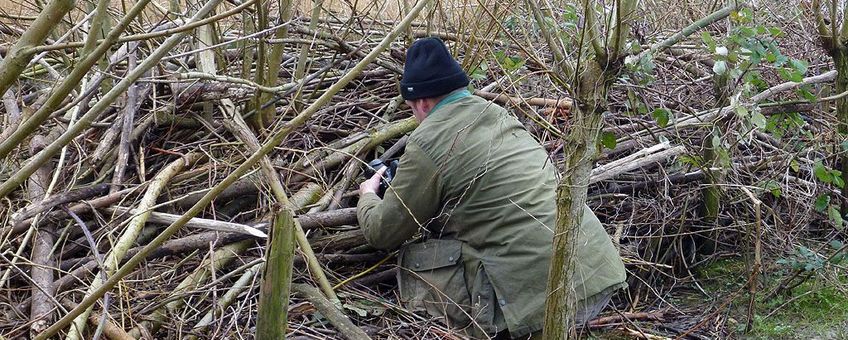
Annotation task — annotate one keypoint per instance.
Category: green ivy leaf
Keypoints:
(822, 202)
(837, 178)
(822, 173)
(798, 65)
(695, 161)
(804, 91)
(479, 72)
(747, 32)
(758, 119)
(720, 67)
(836, 244)
(608, 140)
(661, 116)
(789, 74)
(716, 142)
(835, 216)
(708, 41)
(771, 57)
(773, 187)
(794, 165)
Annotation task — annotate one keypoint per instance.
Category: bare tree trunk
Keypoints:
(268, 65)
(274, 290)
(840, 59)
(580, 150)
(833, 33)
(300, 69)
(599, 62)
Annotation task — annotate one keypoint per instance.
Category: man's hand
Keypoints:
(372, 184)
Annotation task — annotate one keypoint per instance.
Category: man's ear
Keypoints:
(418, 104)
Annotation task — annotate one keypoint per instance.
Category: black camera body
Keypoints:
(388, 176)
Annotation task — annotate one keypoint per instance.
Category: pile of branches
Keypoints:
(121, 174)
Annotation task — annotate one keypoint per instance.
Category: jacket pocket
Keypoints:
(432, 279)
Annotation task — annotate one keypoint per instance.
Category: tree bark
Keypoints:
(840, 59)
(272, 316)
(598, 64)
(339, 320)
(579, 149)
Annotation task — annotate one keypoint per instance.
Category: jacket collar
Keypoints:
(450, 98)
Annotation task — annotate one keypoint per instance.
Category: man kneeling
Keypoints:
(481, 192)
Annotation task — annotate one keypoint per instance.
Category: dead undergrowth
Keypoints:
(161, 146)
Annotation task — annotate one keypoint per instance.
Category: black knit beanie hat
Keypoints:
(430, 70)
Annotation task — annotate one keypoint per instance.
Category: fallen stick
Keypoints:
(680, 178)
(43, 260)
(44, 204)
(563, 103)
(200, 240)
(78, 208)
(772, 91)
(110, 329)
(280, 249)
(217, 260)
(243, 283)
(614, 319)
(379, 277)
(329, 311)
(653, 154)
(329, 260)
(201, 223)
(272, 142)
(132, 231)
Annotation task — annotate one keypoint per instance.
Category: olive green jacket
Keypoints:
(481, 191)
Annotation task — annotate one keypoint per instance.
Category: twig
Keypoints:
(126, 129)
(774, 90)
(755, 268)
(68, 84)
(85, 121)
(694, 27)
(18, 56)
(99, 259)
(328, 310)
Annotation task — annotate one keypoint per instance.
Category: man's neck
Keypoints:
(450, 98)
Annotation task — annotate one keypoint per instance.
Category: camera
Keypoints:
(388, 176)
